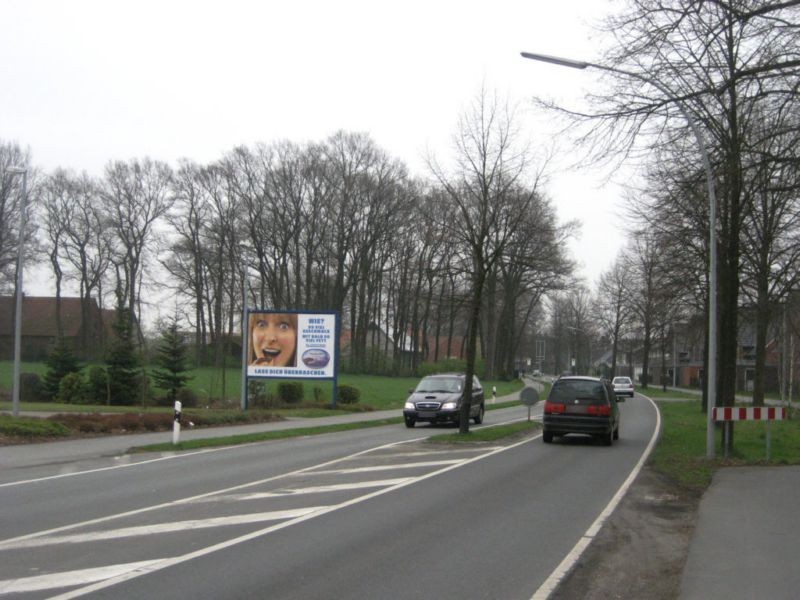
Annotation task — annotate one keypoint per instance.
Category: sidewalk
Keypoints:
(747, 538)
(28, 455)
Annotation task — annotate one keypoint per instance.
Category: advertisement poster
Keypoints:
(291, 345)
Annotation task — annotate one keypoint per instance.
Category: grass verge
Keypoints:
(681, 451)
(250, 438)
(488, 434)
(31, 429)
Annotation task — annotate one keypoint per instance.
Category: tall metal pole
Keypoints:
(712, 213)
(18, 311)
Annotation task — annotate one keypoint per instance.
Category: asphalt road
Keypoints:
(374, 513)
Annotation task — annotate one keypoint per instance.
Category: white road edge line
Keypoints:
(169, 562)
(551, 583)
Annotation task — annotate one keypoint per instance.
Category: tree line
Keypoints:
(731, 68)
(461, 257)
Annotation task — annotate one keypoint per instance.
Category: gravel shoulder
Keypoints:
(641, 550)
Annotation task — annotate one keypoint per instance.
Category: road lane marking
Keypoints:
(570, 560)
(200, 496)
(416, 465)
(431, 452)
(170, 456)
(317, 489)
(168, 527)
(166, 563)
(68, 578)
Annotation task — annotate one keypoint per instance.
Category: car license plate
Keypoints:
(427, 414)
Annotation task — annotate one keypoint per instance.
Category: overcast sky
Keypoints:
(85, 82)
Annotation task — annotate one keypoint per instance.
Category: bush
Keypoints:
(258, 397)
(72, 389)
(348, 394)
(291, 392)
(187, 398)
(60, 362)
(31, 388)
(31, 427)
(97, 385)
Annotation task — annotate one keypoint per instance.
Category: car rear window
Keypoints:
(573, 389)
(621, 380)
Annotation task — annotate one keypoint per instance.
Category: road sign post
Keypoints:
(529, 396)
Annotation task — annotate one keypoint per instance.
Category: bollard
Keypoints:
(176, 423)
(494, 394)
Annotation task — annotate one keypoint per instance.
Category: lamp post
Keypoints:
(712, 211)
(18, 312)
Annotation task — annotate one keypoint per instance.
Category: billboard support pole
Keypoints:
(337, 328)
(245, 319)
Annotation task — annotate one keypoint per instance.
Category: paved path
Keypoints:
(747, 540)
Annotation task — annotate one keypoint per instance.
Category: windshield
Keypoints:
(572, 389)
(439, 384)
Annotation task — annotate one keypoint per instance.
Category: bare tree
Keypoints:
(484, 190)
(10, 156)
(187, 260)
(136, 195)
(611, 307)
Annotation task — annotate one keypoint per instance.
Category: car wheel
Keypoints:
(479, 417)
(616, 433)
(608, 438)
(547, 437)
(410, 422)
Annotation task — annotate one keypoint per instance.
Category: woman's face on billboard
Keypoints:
(274, 339)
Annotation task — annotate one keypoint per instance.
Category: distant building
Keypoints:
(40, 331)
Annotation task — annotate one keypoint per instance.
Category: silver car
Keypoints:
(623, 386)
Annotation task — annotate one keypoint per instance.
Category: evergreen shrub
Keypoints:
(291, 392)
(31, 388)
(348, 394)
(97, 385)
(73, 389)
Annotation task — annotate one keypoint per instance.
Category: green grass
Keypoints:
(22, 427)
(378, 392)
(7, 371)
(655, 393)
(681, 451)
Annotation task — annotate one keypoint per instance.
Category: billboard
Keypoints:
(300, 345)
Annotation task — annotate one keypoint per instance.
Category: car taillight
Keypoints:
(552, 408)
(600, 410)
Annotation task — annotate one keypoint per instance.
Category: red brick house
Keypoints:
(39, 327)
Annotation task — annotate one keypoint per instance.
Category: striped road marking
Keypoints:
(69, 578)
(169, 527)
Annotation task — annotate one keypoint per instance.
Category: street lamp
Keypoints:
(18, 314)
(712, 211)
